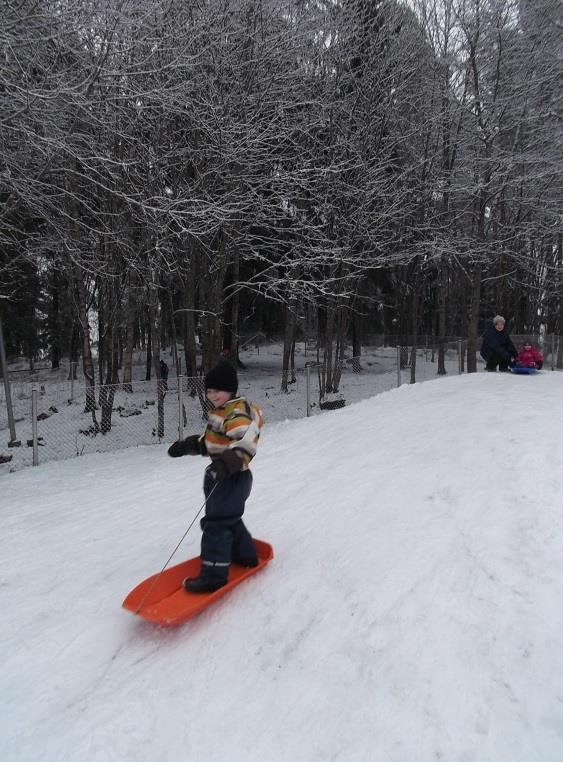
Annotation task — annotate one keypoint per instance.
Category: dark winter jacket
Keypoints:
(497, 343)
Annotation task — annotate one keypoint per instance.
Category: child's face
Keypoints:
(217, 397)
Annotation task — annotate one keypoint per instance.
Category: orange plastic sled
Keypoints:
(164, 601)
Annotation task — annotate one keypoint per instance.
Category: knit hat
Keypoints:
(498, 319)
(222, 377)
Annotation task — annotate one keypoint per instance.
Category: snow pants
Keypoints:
(493, 359)
(225, 538)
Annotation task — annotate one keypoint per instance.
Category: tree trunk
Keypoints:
(211, 296)
(130, 321)
(155, 347)
(288, 343)
(328, 346)
(559, 323)
(54, 332)
(87, 361)
(442, 287)
(148, 334)
(107, 391)
(473, 326)
(341, 337)
(102, 338)
(190, 348)
(173, 333)
(414, 323)
(235, 300)
(73, 352)
(356, 343)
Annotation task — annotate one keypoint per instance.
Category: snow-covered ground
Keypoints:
(412, 612)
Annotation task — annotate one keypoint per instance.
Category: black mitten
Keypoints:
(190, 446)
(225, 465)
(195, 445)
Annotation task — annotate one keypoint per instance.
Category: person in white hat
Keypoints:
(497, 347)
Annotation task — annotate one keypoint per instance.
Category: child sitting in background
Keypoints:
(529, 357)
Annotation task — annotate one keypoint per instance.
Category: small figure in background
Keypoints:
(226, 354)
(164, 375)
(529, 356)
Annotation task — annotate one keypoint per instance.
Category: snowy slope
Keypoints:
(412, 612)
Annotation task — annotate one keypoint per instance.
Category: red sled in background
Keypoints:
(164, 601)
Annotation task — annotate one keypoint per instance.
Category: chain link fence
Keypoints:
(65, 419)
(52, 424)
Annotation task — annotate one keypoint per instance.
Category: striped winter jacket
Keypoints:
(234, 426)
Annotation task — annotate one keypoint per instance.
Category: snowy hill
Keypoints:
(412, 612)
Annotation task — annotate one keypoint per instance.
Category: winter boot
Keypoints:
(202, 585)
(248, 563)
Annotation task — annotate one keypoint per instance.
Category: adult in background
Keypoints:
(164, 375)
(497, 348)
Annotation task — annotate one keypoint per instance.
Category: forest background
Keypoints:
(181, 173)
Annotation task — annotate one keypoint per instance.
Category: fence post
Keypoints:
(398, 365)
(14, 442)
(552, 351)
(71, 381)
(34, 427)
(459, 357)
(180, 407)
(308, 369)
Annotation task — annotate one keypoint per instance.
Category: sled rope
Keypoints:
(160, 573)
